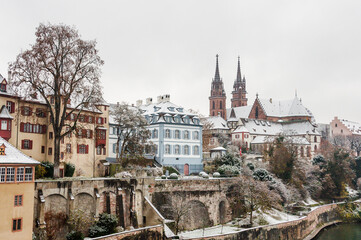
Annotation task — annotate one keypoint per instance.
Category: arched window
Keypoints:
(315, 148)
(155, 149)
(177, 134)
(196, 150)
(302, 152)
(186, 134)
(220, 105)
(176, 149)
(256, 114)
(186, 150)
(167, 149)
(315, 139)
(167, 133)
(155, 133)
(213, 105)
(308, 151)
(196, 135)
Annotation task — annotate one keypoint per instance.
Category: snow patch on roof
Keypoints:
(13, 155)
(284, 108)
(217, 122)
(354, 127)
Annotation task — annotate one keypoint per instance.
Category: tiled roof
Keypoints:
(267, 139)
(354, 127)
(217, 122)
(240, 112)
(285, 108)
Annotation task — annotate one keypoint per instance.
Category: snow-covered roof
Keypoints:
(217, 122)
(241, 129)
(13, 155)
(240, 112)
(4, 113)
(284, 108)
(219, 149)
(354, 127)
(268, 139)
(262, 127)
(165, 108)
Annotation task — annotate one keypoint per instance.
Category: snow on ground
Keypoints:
(272, 217)
(310, 201)
(352, 192)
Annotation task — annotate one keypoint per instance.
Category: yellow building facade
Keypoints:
(17, 193)
(28, 129)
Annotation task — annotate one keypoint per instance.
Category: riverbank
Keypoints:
(301, 228)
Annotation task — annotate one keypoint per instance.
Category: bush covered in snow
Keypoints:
(229, 171)
(261, 174)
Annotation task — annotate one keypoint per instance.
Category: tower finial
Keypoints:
(239, 75)
(217, 76)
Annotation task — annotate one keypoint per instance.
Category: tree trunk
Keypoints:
(56, 157)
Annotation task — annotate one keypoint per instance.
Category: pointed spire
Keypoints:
(239, 75)
(217, 76)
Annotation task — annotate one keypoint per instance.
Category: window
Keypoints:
(220, 105)
(17, 224)
(99, 150)
(177, 134)
(88, 133)
(341, 130)
(83, 149)
(186, 134)
(3, 87)
(32, 128)
(4, 125)
(68, 148)
(100, 120)
(176, 149)
(20, 174)
(18, 200)
(167, 133)
(26, 111)
(167, 149)
(28, 174)
(41, 113)
(104, 151)
(27, 144)
(196, 135)
(256, 114)
(90, 119)
(10, 174)
(50, 151)
(196, 150)
(10, 106)
(155, 133)
(302, 152)
(114, 147)
(315, 139)
(237, 135)
(186, 150)
(2, 174)
(335, 124)
(42, 149)
(155, 149)
(50, 135)
(213, 105)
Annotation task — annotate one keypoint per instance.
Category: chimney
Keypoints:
(149, 101)
(159, 99)
(139, 103)
(270, 100)
(166, 98)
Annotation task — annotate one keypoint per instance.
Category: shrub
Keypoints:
(40, 171)
(318, 160)
(250, 166)
(74, 235)
(261, 174)
(69, 169)
(170, 170)
(104, 226)
(173, 176)
(49, 169)
(227, 170)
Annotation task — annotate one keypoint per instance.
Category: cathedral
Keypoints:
(217, 100)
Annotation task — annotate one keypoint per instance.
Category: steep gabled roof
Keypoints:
(217, 122)
(4, 113)
(286, 108)
(354, 127)
(239, 112)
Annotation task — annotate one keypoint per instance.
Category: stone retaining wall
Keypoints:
(297, 229)
(146, 233)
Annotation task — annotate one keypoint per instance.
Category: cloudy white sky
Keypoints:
(153, 47)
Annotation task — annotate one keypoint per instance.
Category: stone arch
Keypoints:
(197, 215)
(85, 202)
(222, 212)
(56, 203)
(139, 206)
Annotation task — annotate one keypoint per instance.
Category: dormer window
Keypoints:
(2, 149)
(180, 109)
(3, 86)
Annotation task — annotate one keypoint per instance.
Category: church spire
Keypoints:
(239, 76)
(216, 75)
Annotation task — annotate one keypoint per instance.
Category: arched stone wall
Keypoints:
(222, 212)
(197, 215)
(85, 203)
(56, 203)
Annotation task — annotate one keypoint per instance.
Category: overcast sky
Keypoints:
(153, 47)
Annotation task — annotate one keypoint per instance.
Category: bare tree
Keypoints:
(63, 69)
(257, 195)
(132, 134)
(355, 143)
(206, 133)
(180, 209)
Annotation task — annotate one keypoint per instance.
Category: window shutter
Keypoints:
(30, 111)
(22, 127)
(87, 149)
(12, 107)
(31, 144)
(91, 133)
(105, 120)
(105, 151)
(22, 111)
(22, 144)
(83, 133)
(77, 148)
(44, 128)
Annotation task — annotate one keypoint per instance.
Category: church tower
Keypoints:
(239, 93)
(217, 100)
